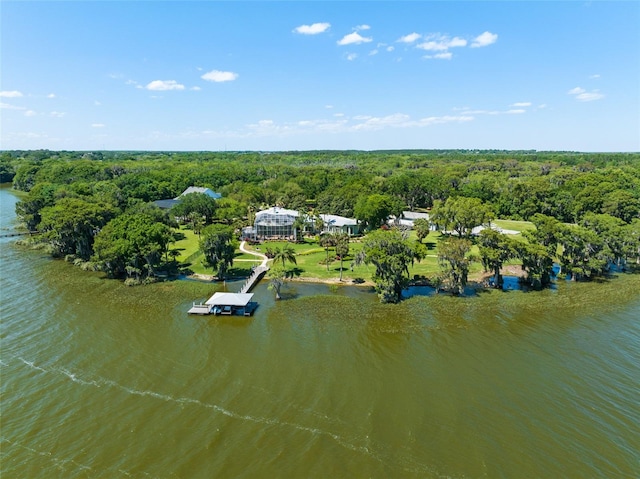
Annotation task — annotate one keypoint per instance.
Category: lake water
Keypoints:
(104, 381)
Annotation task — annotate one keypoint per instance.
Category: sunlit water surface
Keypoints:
(104, 381)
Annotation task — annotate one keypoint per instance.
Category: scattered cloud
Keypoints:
(521, 104)
(391, 48)
(437, 42)
(97, 103)
(10, 94)
(30, 113)
(362, 27)
(354, 39)
(373, 52)
(516, 111)
(195, 88)
(312, 29)
(97, 125)
(484, 39)
(594, 77)
(6, 106)
(328, 107)
(164, 85)
(410, 38)
(351, 56)
(590, 96)
(57, 114)
(583, 95)
(51, 95)
(439, 56)
(218, 76)
(576, 91)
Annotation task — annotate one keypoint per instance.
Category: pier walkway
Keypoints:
(258, 272)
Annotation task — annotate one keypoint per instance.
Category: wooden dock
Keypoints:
(257, 274)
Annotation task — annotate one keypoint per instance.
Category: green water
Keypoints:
(104, 381)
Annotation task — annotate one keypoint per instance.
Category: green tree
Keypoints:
(131, 244)
(374, 210)
(391, 254)
(422, 227)
(537, 263)
(342, 248)
(461, 215)
(327, 241)
(581, 252)
(197, 203)
(284, 254)
(218, 245)
(495, 249)
(277, 276)
(71, 225)
(454, 263)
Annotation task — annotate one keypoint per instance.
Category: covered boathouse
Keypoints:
(226, 304)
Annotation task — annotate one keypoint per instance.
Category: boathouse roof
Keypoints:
(230, 299)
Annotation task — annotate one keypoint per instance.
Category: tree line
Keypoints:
(97, 207)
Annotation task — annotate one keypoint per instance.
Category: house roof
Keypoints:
(414, 215)
(276, 210)
(166, 204)
(200, 189)
(230, 299)
(339, 221)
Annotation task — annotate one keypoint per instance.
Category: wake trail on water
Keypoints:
(66, 464)
(368, 449)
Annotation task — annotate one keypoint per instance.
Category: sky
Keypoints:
(320, 75)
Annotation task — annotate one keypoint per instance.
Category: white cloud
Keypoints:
(195, 88)
(10, 94)
(516, 111)
(583, 95)
(351, 56)
(362, 27)
(439, 56)
(412, 37)
(97, 125)
(30, 113)
(593, 77)
(439, 42)
(6, 106)
(521, 104)
(97, 103)
(589, 96)
(390, 49)
(328, 107)
(484, 39)
(164, 85)
(312, 29)
(373, 52)
(354, 38)
(218, 76)
(51, 95)
(57, 114)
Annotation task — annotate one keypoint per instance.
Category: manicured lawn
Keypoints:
(514, 225)
(311, 257)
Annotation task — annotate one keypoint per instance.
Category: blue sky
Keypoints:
(308, 75)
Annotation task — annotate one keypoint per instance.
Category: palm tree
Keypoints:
(327, 241)
(342, 248)
(284, 254)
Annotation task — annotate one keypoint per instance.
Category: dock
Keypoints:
(253, 279)
(235, 303)
(226, 304)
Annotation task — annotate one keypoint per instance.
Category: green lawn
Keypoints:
(311, 257)
(514, 225)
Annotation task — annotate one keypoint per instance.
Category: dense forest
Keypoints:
(97, 206)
